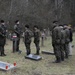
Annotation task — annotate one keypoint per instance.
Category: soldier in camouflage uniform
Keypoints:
(62, 42)
(37, 39)
(27, 39)
(2, 37)
(17, 31)
(56, 36)
(3, 25)
(67, 40)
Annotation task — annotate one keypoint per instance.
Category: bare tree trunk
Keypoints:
(56, 8)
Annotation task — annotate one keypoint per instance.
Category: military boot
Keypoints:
(28, 52)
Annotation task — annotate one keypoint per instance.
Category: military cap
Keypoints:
(35, 26)
(2, 21)
(55, 21)
(27, 26)
(16, 21)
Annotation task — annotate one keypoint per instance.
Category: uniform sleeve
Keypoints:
(57, 33)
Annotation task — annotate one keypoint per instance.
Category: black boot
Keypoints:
(66, 56)
(37, 53)
(3, 54)
(28, 52)
(57, 60)
(62, 58)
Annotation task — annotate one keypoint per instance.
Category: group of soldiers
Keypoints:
(28, 34)
(61, 37)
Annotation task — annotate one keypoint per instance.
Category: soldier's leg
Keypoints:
(28, 51)
(28, 48)
(3, 51)
(62, 52)
(66, 50)
(0, 50)
(70, 48)
(18, 41)
(14, 47)
(42, 41)
(37, 48)
(57, 53)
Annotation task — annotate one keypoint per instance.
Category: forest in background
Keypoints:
(37, 12)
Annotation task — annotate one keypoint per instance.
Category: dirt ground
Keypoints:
(42, 67)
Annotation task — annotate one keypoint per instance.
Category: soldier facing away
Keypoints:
(62, 42)
(2, 38)
(56, 36)
(37, 39)
(67, 40)
(27, 39)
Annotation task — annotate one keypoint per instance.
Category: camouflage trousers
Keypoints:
(57, 52)
(62, 52)
(37, 47)
(1, 50)
(66, 49)
(28, 50)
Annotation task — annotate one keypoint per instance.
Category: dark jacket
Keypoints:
(37, 36)
(67, 35)
(71, 35)
(27, 36)
(2, 37)
(63, 37)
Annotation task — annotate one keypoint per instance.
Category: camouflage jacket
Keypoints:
(37, 36)
(63, 36)
(4, 29)
(27, 36)
(56, 35)
(67, 37)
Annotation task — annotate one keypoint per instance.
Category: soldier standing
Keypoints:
(37, 39)
(71, 39)
(67, 40)
(56, 36)
(17, 31)
(62, 42)
(42, 38)
(27, 39)
(2, 37)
